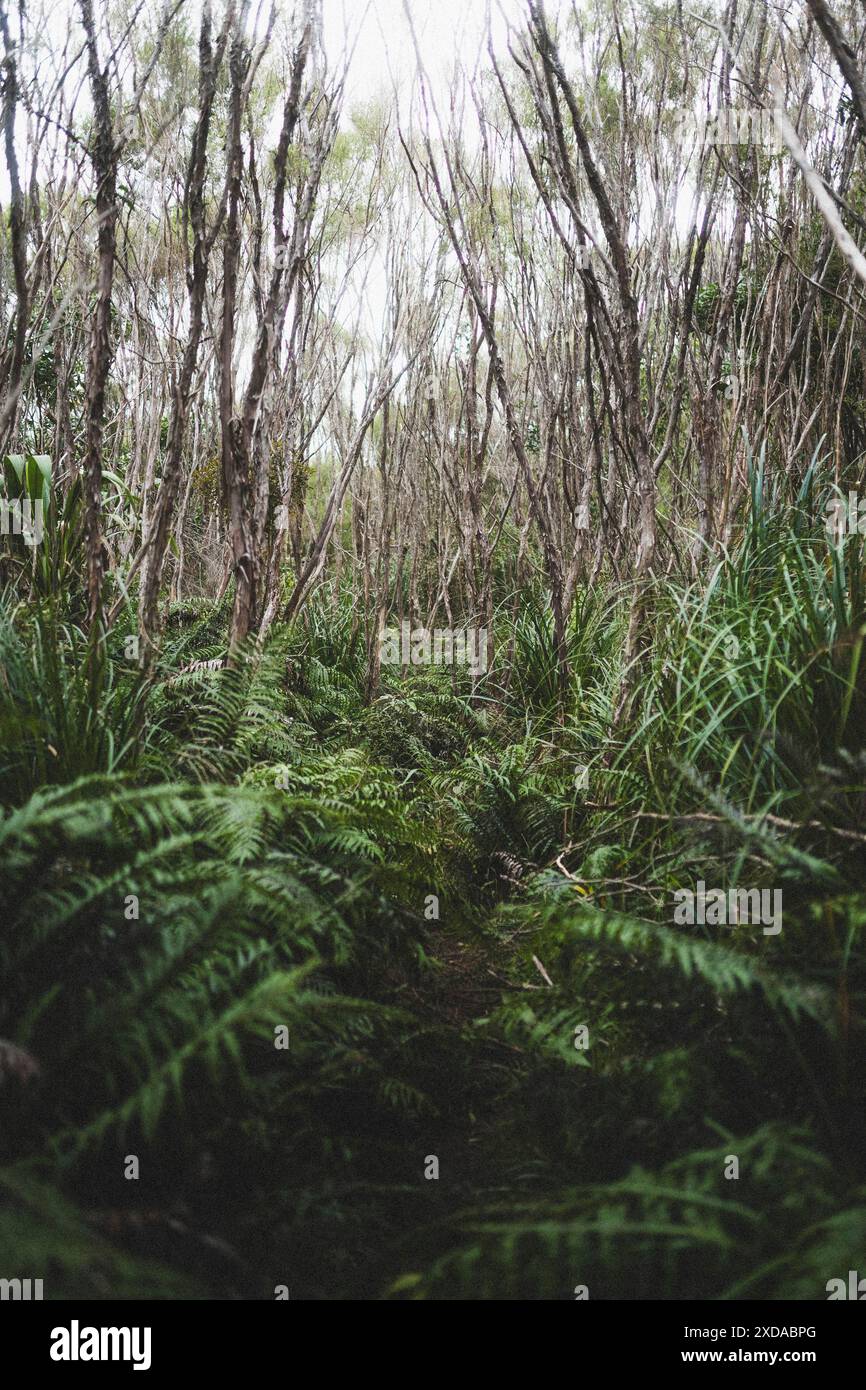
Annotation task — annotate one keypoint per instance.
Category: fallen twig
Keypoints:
(541, 970)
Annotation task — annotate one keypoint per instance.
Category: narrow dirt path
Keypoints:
(460, 987)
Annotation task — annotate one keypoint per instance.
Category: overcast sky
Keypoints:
(446, 30)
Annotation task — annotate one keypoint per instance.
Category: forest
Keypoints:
(432, 606)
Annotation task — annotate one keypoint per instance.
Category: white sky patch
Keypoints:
(448, 31)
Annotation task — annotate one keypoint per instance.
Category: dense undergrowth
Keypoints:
(201, 868)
